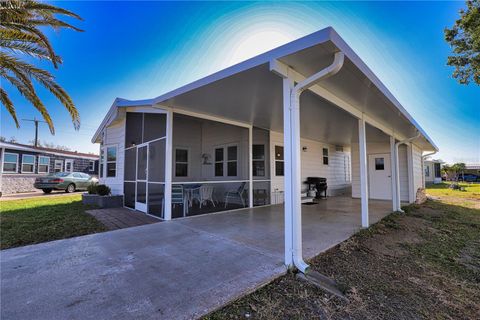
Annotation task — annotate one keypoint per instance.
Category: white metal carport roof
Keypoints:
(250, 92)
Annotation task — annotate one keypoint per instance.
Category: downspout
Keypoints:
(397, 169)
(296, 161)
(423, 168)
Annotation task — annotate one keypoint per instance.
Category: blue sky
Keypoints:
(139, 50)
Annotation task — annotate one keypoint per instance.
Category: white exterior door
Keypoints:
(379, 176)
(69, 165)
(142, 178)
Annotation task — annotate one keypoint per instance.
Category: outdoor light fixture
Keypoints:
(206, 158)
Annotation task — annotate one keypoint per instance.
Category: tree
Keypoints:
(21, 25)
(464, 38)
(459, 168)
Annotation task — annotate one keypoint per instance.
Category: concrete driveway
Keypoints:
(180, 269)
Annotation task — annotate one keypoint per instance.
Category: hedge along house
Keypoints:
(20, 164)
(250, 135)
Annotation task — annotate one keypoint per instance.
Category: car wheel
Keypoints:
(47, 190)
(70, 188)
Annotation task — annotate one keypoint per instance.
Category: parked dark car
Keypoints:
(68, 181)
(469, 177)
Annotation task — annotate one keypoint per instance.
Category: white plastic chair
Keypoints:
(206, 194)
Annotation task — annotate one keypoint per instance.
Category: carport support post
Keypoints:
(362, 143)
(288, 85)
(393, 174)
(168, 167)
(250, 167)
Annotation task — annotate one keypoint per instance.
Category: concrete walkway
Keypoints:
(179, 269)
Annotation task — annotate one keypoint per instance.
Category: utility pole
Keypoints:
(34, 120)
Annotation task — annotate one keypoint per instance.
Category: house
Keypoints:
(433, 172)
(250, 135)
(20, 164)
(472, 168)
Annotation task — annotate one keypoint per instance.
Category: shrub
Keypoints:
(103, 190)
(92, 189)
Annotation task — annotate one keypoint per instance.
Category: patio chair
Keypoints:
(206, 194)
(178, 197)
(236, 194)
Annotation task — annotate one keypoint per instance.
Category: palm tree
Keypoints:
(20, 33)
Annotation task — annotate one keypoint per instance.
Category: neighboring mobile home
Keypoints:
(251, 134)
(433, 171)
(21, 164)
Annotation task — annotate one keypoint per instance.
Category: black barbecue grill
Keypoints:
(320, 184)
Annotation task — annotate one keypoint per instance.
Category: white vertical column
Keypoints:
(287, 156)
(296, 181)
(250, 167)
(411, 185)
(393, 172)
(363, 171)
(168, 167)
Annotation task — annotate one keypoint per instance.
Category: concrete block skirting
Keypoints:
(102, 201)
(16, 183)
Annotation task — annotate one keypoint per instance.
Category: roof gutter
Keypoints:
(398, 206)
(296, 160)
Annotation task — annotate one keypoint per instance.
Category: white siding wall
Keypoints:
(431, 171)
(201, 137)
(337, 171)
(115, 135)
(375, 148)
(187, 133)
(417, 169)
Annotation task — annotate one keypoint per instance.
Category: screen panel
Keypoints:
(154, 126)
(156, 161)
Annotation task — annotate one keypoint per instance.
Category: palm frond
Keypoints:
(17, 35)
(34, 99)
(20, 33)
(27, 48)
(44, 78)
(47, 9)
(5, 100)
(43, 40)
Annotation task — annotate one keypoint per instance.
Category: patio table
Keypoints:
(192, 192)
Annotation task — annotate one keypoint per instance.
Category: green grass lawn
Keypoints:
(472, 190)
(424, 264)
(36, 220)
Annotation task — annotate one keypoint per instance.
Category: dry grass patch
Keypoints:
(421, 265)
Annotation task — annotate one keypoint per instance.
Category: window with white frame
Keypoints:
(181, 162)
(258, 160)
(58, 166)
(226, 161)
(111, 163)
(28, 163)
(91, 165)
(10, 162)
(325, 156)
(43, 164)
(279, 161)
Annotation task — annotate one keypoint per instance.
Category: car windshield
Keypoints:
(62, 174)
